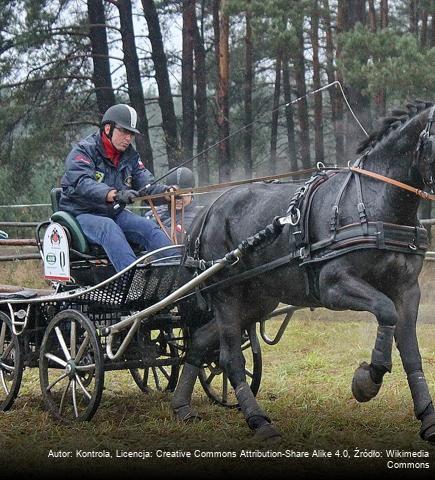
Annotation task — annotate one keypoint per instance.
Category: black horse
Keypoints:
(380, 277)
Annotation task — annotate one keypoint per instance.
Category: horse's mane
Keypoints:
(389, 124)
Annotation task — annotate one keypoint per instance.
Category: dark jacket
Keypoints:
(89, 176)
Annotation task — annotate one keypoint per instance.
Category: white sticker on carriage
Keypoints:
(56, 253)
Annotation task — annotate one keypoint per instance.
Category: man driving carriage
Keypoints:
(103, 174)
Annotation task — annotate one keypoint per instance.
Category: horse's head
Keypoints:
(425, 152)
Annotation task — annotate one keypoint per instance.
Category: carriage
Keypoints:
(347, 239)
(69, 332)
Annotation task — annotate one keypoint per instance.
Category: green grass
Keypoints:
(305, 390)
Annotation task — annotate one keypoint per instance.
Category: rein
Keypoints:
(391, 181)
(219, 186)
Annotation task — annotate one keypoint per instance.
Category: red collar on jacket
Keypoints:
(111, 152)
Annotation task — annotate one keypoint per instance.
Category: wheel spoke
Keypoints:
(165, 373)
(73, 341)
(224, 387)
(156, 378)
(2, 337)
(249, 373)
(83, 388)
(4, 366)
(62, 400)
(7, 351)
(146, 372)
(74, 398)
(56, 359)
(56, 381)
(62, 343)
(4, 382)
(82, 348)
(210, 378)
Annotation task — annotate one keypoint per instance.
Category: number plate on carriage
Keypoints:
(56, 253)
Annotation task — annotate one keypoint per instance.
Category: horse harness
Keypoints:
(344, 239)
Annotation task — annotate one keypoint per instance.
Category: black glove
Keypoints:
(125, 197)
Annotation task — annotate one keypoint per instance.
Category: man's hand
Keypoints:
(125, 197)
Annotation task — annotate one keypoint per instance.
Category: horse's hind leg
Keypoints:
(341, 289)
(203, 340)
(406, 340)
(231, 359)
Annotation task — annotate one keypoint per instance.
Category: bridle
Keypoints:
(425, 152)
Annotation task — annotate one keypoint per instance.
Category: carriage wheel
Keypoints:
(215, 382)
(11, 363)
(71, 368)
(162, 348)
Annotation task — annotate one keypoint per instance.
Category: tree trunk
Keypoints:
(380, 97)
(100, 56)
(247, 88)
(351, 14)
(216, 33)
(291, 137)
(356, 12)
(432, 37)
(413, 17)
(372, 16)
(187, 93)
(223, 94)
(424, 26)
(301, 89)
(135, 91)
(319, 148)
(334, 93)
(166, 102)
(275, 112)
(201, 107)
(384, 13)
(340, 132)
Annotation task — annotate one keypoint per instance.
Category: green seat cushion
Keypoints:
(78, 239)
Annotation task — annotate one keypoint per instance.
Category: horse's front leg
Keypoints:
(232, 361)
(342, 289)
(406, 340)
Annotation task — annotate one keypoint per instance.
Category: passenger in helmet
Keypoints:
(185, 210)
(103, 174)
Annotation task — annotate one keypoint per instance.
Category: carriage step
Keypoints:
(24, 294)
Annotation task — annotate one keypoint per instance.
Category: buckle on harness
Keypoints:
(303, 253)
(333, 222)
(202, 265)
(362, 211)
(295, 216)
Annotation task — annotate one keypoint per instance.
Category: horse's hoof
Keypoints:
(267, 433)
(186, 414)
(427, 430)
(363, 387)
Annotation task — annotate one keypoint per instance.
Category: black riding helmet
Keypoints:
(121, 115)
(181, 176)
